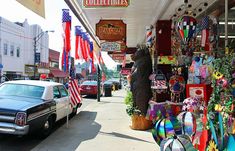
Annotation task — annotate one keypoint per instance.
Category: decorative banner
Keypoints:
(111, 30)
(110, 46)
(105, 3)
(36, 6)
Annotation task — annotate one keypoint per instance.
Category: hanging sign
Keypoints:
(36, 6)
(117, 56)
(105, 3)
(111, 30)
(110, 46)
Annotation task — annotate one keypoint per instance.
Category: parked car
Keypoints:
(90, 87)
(116, 83)
(29, 105)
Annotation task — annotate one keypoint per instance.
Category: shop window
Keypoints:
(5, 48)
(18, 51)
(12, 50)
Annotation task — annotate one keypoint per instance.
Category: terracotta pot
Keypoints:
(139, 122)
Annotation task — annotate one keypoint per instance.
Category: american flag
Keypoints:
(66, 20)
(75, 97)
(205, 33)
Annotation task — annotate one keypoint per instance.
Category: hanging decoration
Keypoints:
(163, 129)
(189, 125)
(186, 27)
(176, 85)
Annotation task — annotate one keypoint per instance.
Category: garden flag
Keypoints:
(75, 97)
(66, 20)
(66, 23)
(84, 47)
(205, 33)
(78, 54)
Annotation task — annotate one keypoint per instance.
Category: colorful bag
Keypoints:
(159, 82)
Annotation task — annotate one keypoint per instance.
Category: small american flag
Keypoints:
(75, 97)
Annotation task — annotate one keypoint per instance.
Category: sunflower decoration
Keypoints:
(212, 146)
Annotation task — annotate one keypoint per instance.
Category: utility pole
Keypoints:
(98, 83)
(36, 38)
(34, 64)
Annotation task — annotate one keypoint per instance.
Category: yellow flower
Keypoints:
(212, 146)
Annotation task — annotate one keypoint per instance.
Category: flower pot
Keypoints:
(139, 122)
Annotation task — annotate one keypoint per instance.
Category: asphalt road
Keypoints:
(26, 143)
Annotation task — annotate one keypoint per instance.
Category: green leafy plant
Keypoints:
(131, 109)
(222, 95)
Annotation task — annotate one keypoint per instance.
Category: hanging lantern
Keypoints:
(163, 129)
(186, 27)
(188, 121)
(177, 143)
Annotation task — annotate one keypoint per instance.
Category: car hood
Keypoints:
(17, 103)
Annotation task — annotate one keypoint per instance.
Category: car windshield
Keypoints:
(89, 83)
(22, 90)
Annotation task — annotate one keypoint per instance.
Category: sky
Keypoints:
(15, 12)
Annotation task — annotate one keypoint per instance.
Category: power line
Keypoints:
(18, 35)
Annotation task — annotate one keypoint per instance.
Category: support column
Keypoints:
(226, 24)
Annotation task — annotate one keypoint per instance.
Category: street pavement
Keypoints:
(100, 126)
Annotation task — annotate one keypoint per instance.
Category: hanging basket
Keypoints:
(139, 122)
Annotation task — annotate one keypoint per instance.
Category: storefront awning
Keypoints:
(57, 73)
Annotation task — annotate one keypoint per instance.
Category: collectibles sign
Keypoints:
(110, 46)
(111, 30)
(105, 3)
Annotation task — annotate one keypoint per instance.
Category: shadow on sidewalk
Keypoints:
(81, 128)
(115, 134)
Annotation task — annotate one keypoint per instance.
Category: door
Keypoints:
(65, 100)
(59, 103)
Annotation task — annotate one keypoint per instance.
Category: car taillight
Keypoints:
(21, 118)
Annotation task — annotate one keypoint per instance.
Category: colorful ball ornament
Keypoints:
(177, 143)
(188, 122)
(163, 129)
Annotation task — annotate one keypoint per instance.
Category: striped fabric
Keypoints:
(75, 97)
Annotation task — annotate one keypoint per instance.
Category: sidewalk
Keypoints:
(101, 126)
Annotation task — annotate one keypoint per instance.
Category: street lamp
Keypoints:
(36, 38)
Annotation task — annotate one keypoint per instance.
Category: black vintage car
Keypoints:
(30, 105)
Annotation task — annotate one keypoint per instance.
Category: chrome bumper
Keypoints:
(11, 128)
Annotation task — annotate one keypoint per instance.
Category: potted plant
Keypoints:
(138, 120)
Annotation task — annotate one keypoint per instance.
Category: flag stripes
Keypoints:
(75, 97)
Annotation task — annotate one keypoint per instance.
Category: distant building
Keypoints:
(55, 73)
(17, 49)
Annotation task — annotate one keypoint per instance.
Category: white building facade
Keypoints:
(17, 49)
